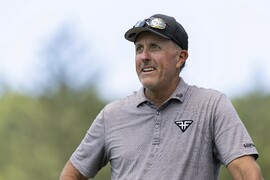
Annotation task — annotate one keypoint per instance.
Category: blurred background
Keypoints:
(62, 61)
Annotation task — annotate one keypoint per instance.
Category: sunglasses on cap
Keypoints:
(156, 23)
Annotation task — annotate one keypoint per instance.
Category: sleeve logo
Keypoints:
(184, 124)
(249, 145)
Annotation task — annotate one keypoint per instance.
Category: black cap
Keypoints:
(173, 31)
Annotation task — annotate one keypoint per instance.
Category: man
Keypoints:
(168, 129)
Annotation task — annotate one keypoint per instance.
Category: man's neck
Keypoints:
(159, 96)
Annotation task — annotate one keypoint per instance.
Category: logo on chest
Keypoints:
(183, 124)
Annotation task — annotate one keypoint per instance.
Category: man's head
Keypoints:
(160, 51)
(162, 25)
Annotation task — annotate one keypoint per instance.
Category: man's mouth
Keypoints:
(148, 69)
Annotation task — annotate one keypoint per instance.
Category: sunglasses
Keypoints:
(156, 23)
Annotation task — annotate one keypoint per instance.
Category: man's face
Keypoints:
(158, 61)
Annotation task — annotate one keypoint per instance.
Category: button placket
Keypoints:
(157, 129)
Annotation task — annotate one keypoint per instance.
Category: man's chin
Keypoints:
(149, 85)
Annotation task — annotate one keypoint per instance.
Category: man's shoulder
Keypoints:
(194, 91)
(124, 103)
(205, 93)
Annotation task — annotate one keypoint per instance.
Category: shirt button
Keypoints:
(156, 126)
(179, 95)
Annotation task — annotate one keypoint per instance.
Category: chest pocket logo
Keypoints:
(183, 124)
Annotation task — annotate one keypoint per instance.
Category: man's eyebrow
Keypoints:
(137, 44)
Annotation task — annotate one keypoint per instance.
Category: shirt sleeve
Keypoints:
(90, 156)
(231, 138)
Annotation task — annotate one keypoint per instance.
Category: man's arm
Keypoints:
(71, 173)
(245, 168)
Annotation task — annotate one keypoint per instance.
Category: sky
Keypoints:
(229, 41)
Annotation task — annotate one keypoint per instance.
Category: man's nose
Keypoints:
(145, 55)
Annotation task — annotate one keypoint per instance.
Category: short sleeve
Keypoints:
(231, 138)
(90, 156)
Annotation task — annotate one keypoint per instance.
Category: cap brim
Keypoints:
(132, 34)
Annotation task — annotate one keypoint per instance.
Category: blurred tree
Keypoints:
(38, 134)
(68, 61)
(253, 109)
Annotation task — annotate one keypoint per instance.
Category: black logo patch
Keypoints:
(248, 145)
(184, 124)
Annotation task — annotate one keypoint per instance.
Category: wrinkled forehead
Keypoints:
(149, 36)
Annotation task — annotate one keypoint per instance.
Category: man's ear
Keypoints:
(183, 55)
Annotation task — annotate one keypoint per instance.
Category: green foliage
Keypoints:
(38, 135)
(253, 109)
(254, 112)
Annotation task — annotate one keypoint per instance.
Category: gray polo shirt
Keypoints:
(188, 137)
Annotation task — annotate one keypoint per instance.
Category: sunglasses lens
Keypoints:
(140, 23)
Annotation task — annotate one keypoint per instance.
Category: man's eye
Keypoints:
(139, 49)
(154, 47)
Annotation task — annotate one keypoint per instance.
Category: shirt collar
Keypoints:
(178, 94)
(140, 97)
(180, 91)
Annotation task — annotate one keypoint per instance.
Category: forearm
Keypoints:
(247, 175)
(245, 168)
(65, 176)
(71, 173)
